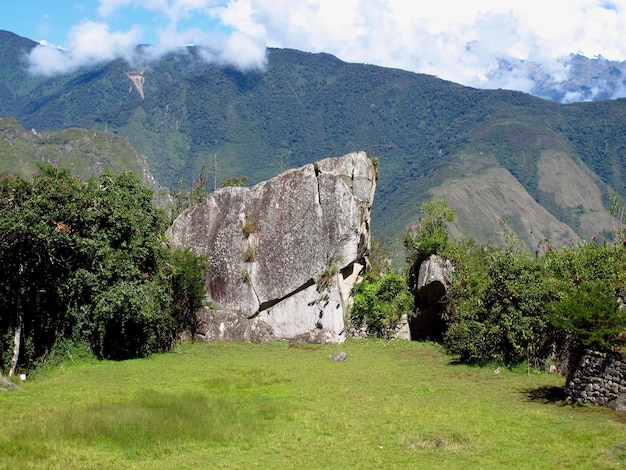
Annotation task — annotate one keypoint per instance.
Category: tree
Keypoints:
(430, 235)
(35, 250)
(427, 237)
(86, 262)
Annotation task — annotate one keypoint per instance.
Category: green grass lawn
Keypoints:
(392, 404)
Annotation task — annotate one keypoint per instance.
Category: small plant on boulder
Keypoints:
(249, 254)
(249, 227)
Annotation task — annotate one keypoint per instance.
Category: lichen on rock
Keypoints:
(300, 240)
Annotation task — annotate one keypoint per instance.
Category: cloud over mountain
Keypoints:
(484, 44)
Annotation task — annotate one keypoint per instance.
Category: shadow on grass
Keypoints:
(547, 395)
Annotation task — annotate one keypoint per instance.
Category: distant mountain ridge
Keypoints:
(583, 79)
(545, 168)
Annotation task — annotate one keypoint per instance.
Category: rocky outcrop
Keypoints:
(287, 251)
(138, 80)
(430, 291)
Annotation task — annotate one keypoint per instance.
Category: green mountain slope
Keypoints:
(491, 153)
(86, 153)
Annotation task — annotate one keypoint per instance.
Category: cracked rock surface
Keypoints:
(286, 251)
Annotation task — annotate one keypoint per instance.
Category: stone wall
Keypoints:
(597, 377)
(399, 331)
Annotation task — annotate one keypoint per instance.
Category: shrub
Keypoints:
(325, 279)
(380, 303)
(505, 316)
(249, 227)
(593, 278)
(185, 276)
(235, 181)
(592, 316)
(507, 305)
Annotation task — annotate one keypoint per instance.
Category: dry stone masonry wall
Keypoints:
(598, 378)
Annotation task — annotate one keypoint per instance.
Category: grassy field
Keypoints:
(392, 404)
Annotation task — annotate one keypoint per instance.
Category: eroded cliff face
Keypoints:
(286, 252)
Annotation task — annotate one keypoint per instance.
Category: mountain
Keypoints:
(86, 153)
(546, 168)
(576, 78)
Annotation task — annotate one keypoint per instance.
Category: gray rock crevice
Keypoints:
(270, 303)
(258, 300)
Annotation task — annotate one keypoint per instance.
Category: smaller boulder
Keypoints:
(6, 384)
(618, 404)
(339, 357)
(430, 291)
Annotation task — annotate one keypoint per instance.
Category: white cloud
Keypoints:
(243, 52)
(88, 43)
(460, 41)
(434, 37)
(92, 42)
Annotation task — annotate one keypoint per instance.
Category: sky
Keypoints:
(457, 40)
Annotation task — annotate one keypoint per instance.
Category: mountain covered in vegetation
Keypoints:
(543, 168)
(86, 153)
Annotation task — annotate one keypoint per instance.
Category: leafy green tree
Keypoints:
(86, 262)
(37, 253)
(430, 235)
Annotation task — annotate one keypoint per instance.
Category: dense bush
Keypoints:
(525, 302)
(503, 317)
(593, 278)
(87, 262)
(380, 301)
(506, 305)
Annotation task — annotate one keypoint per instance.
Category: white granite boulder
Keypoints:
(288, 249)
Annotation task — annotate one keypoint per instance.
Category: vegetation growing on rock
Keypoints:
(507, 305)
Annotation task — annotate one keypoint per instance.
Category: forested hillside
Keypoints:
(85, 153)
(546, 169)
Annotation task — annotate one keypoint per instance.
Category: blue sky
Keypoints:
(51, 20)
(458, 41)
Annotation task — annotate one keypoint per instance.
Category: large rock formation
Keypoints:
(287, 251)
